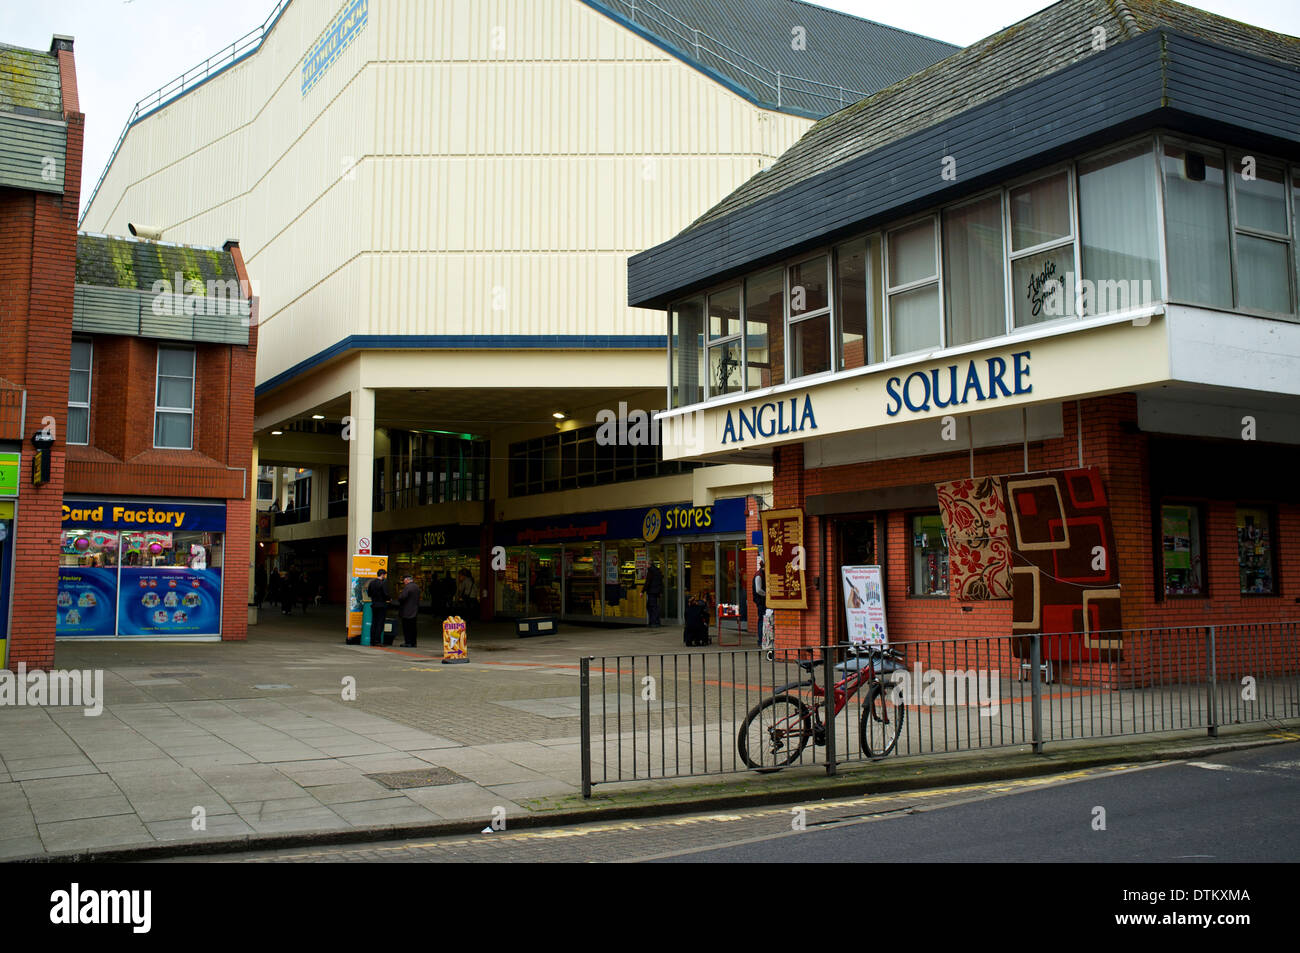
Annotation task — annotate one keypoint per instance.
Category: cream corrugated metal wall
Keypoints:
(509, 156)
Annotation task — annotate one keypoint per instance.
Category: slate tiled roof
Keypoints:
(1037, 46)
(113, 262)
(29, 83)
(838, 50)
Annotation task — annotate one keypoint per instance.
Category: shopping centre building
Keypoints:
(1021, 329)
(438, 200)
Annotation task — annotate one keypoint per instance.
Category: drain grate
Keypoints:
(175, 674)
(272, 687)
(420, 778)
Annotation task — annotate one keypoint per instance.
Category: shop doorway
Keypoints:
(855, 545)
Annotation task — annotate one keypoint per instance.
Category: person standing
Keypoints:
(467, 595)
(760, 597)
(379, 598)
(654, 588)
(290, 591)
(408, 608)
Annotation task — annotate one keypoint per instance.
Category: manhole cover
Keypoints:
(175, 674)
(420, 778)
(265, 688)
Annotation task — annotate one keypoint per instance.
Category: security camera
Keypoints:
(152, 232)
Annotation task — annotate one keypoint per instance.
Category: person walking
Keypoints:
(408, 608)
(379, 598)
(654, 588)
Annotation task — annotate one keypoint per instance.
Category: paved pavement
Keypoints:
(257, 738)
(208, 742)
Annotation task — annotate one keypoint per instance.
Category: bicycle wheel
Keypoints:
(880, 722)
(774, 733)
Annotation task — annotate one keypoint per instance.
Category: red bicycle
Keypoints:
(776, 731)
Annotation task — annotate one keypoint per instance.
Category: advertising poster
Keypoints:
(642, 563)
(784, 559)
(166, 600)
(611, 567)
(455, 643)
(364, 568)
(864, 605)
(87, 601)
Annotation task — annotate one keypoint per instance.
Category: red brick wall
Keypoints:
(1110, 442)
(38, 239)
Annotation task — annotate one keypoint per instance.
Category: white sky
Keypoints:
(125, 49)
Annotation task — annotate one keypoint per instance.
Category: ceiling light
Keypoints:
(317, 416)
(559, 415)
(276, 433)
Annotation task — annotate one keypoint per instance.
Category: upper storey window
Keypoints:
(1116, 231)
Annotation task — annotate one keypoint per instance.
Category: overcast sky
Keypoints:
(128, 48)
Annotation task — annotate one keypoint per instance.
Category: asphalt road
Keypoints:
(1237, 807)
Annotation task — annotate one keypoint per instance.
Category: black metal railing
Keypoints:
(686, 714)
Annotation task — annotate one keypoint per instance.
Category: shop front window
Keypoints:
(544, 582)
(625, 598)
(583, 580)
(929, 560)
(87, 590)
(1255, 561)
(1182, 562)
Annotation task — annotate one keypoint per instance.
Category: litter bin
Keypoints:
(365, 623)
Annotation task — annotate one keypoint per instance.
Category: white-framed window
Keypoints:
(914, 309)
(79, 391)
(1262, 230)
(974, 270)
(1041, 233)
(726, 361)
(173, 427)
(808, 317)
(1121, 251)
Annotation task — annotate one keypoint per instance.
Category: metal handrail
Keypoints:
(696, 42)
(244, 46)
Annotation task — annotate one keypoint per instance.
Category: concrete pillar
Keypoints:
(361, 466)
(320, 491)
